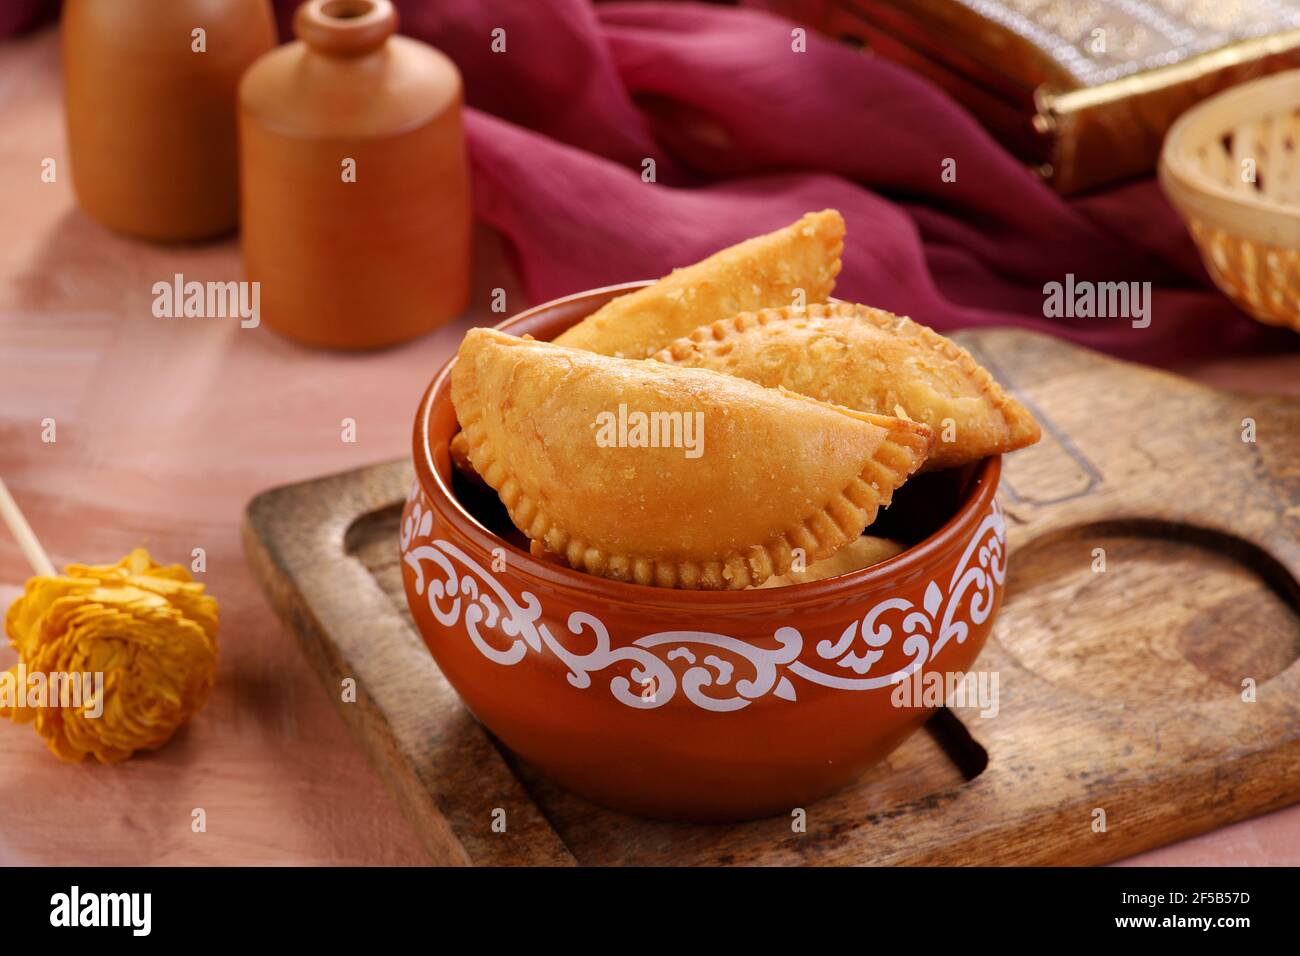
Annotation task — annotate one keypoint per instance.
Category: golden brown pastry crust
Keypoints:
(458, 448)
(868, 359)
(759, 273)
(860, 553)
(777, 471)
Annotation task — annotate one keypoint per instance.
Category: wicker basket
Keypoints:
(1248, 231)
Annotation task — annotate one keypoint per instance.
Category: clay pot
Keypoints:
(151, 121)
(355, 206)
(687, 704)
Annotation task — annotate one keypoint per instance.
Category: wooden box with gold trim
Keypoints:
(1084, 90)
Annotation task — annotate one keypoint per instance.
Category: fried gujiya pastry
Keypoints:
(870, 360)
(717, 495)
(800, 260)
(860, 553)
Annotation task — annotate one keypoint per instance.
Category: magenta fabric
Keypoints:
(746, 135)
(18, 15)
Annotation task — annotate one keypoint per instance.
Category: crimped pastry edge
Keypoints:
(819, 534)
(1022, 428)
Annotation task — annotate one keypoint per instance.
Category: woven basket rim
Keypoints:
(1196, 194)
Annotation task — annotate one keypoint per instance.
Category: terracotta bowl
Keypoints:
(686, 704)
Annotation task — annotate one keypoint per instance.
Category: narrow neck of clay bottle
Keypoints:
(345, 28)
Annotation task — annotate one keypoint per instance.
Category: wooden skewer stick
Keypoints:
(23, 534)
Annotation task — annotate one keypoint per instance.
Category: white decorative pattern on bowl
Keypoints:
(465, 596)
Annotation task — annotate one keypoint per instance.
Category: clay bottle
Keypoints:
(149, 92)
(355, 186)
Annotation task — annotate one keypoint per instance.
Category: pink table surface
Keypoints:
(165, 429)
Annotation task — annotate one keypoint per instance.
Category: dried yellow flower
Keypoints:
(141, 639)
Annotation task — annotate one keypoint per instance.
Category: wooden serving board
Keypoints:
(1121, 690)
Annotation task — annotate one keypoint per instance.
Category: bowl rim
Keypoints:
(954, 533)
